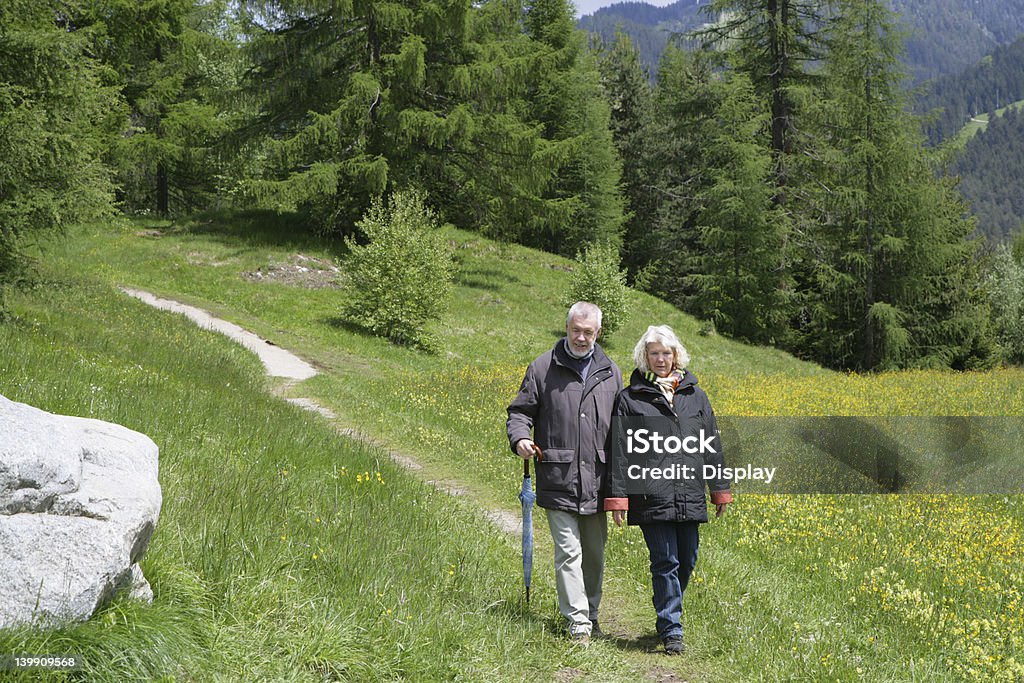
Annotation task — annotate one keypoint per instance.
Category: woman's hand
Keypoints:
(618, 516)
(720, 509)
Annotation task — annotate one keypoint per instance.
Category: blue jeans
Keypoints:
(673, 550)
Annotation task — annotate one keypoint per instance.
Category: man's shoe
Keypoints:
(595, 631)
(580, 638)
(674, 645)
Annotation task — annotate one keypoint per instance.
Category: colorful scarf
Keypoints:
(667, 384)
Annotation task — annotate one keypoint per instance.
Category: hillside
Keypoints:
(278, 559)
(991, 84)
(991, 170)
(648, 27)
(943, 36)
(984, 98)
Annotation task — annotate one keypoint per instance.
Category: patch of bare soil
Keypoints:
(568, 675)
(303, 271)
(660, 675)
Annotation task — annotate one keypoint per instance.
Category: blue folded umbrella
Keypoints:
(528, 498)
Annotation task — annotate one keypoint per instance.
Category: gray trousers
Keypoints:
(579, 565)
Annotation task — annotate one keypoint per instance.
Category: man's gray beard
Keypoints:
(571, 352)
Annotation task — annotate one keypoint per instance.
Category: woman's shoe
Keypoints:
(674, 645)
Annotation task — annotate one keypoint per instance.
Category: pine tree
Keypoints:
(773, 42)
(627, 87)
(738, 223)
(57, 116)
(887, 265)
(686, 99)
(347, 92)
(359, 98)
(176, 70)
(582, 203)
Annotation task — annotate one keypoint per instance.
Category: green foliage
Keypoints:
(891, 283)
(177, 68)
(682, 123)
(1004, 288)
(944, 36)
(772, 41)
(991, 171)
(575, 198)
(57, 118)
(740, 227)
(952, 101)
(401, 279)
(597, 279)
(1017, 246)
(627, 88)
(947, 36)
(504, 129)
(650, 29)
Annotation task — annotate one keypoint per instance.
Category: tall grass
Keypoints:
(283, 551)
(787, 588)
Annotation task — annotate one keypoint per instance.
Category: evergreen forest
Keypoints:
(771, 179)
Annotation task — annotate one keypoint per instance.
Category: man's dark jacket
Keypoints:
(681, 500)
(569, 419)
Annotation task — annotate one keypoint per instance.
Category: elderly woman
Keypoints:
(668, 504)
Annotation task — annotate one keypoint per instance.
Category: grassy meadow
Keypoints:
(288, 552)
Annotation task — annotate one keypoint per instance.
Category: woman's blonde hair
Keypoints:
(661, 334)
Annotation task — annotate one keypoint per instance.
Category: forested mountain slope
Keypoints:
(648, 27)
(991, 169)
(992, 83)
(943, 36)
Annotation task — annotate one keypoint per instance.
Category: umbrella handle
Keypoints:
(537, 453)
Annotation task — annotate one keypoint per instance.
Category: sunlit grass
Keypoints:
(283, 551)
(788, 587)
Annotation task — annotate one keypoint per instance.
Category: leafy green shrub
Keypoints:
(1004, 285)
(401, 279)
(597, 279)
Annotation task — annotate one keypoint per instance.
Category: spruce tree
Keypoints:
(774, 42)
(540, 167)
(686, 99)
(629, 94)
(176, 70)
(346, 92)
(582, 203)
(738, 224)
(500, 127)
(57, 117)
(887, 264)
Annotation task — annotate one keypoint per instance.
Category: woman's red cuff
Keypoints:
(611, 504)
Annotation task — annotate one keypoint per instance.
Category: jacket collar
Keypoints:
(640, 381)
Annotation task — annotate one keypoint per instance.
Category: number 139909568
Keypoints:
(19, 662)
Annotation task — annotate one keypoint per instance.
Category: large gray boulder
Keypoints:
(79, 500)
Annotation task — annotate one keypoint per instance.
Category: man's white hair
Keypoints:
(661, 334)
(585, 310)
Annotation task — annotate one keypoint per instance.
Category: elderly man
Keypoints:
(566, 400)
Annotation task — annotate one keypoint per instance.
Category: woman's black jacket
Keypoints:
(642, 405)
